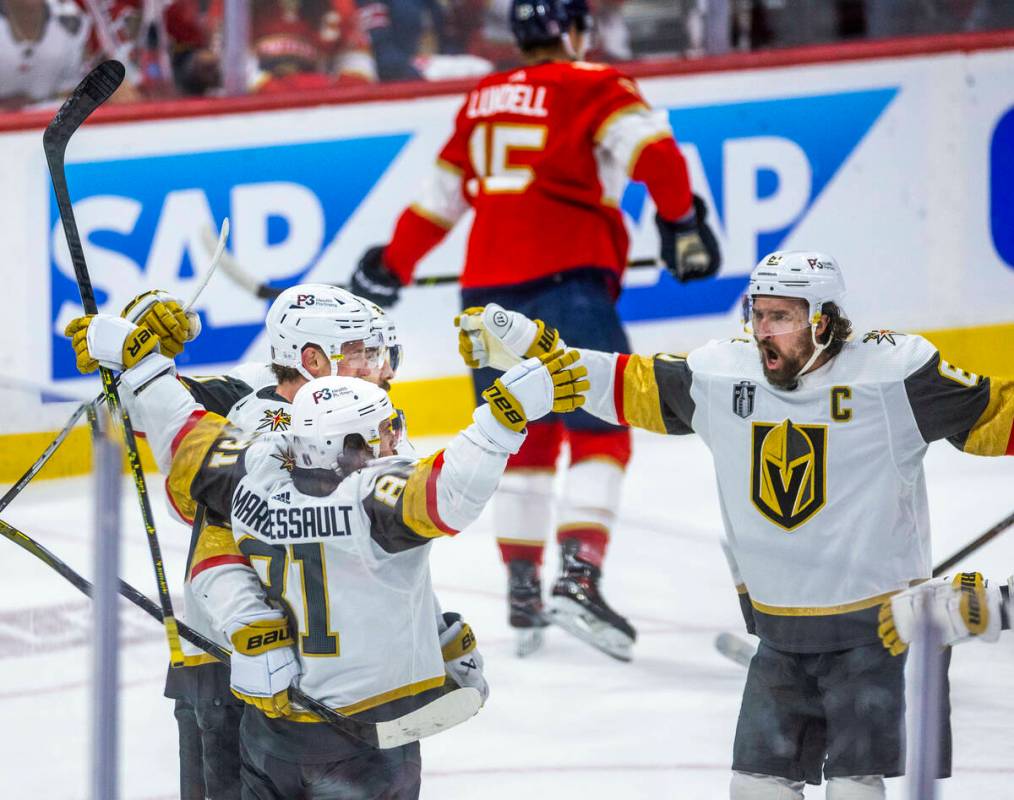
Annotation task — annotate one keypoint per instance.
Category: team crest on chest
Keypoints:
(742, 398)
(788, 471)
(276, 420)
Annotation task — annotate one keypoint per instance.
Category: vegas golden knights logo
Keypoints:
(788, 471)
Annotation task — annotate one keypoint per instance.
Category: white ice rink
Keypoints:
(567, 723)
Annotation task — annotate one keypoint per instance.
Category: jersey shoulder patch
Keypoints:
(885, 355)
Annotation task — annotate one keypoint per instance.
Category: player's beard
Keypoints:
(781, 361)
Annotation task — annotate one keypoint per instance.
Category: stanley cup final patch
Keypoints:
(742, 398)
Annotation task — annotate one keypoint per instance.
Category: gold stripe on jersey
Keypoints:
(521, 542)
(188, 458)
(199, 660)
(741, 588)
(447, 166)
(641, 405)
(416, 509)
(214, 541)
(411, 690)
(636, 107)
(647, 141)
(432, 216)
(993, 432)
(820, 611)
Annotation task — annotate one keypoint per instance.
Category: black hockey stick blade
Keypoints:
(97, 87)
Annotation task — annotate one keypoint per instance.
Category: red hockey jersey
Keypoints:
(543, 154)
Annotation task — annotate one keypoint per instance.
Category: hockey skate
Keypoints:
(577, 606)
(526, 615)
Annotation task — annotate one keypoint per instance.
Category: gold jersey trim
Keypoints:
(411, 690)
(188, 459)
(641, 406)
(993, 432)
(820, 611)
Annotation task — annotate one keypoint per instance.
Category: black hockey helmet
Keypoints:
(537, 23)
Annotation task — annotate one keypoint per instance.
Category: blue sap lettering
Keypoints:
(1001, 187)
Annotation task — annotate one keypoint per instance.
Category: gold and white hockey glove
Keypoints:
(108, 341)
(537, 386)
(162, 313)
(963, 607)
(263, 663)
(492, 336)
(462, 661)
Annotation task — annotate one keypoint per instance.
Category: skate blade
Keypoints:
(573, 618)
(527, 641)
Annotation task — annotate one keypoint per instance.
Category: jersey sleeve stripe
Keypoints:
(419, 499)
(641, 404)
(639, 148)
(993, 433)
(216, 561)
(188, 426)
(190, 447)
(432, 216)
(634, 107)
(621, 366)
(187, 518)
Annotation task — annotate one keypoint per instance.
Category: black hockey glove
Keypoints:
(689, 248)
(373, 280)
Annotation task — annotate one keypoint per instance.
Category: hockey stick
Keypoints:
(232, 268)
(737, 649)
(52, 447)
(97, 87)
(441, 713)
(974, 545)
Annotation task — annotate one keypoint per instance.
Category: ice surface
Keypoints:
(568, 722)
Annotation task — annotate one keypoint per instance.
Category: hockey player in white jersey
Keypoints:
(818, 441)
(340, 547)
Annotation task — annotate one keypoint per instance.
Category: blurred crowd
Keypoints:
(187, 48)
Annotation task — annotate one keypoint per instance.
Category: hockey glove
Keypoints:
(492, 336)
(537, 386)
(263, 663)
(373, 280)
(963, 607)
(162, 313)
(108, 341)
(462, 661)
(689, 248)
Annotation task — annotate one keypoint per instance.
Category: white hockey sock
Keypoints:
(523, 506)
(856, 787)
(751, 786)
(591, 494)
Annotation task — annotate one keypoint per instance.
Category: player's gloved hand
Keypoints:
(162, 313)
(492, 336)
(689, 247)
(963, 607)
(108, 341)
(537, 386)
(263, 663)
(373, 280)
(462, 661)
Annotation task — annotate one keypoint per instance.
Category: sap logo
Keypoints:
(141, 221)
(761, 166)
(1001, 187)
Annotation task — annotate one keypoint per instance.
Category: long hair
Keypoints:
(839, 328)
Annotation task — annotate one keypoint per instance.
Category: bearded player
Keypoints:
(818, 441)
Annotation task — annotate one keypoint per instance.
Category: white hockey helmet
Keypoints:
(384, 334)
(318, 314)
(806, 274)
(326, 411)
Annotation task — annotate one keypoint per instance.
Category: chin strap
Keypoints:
(818, 348)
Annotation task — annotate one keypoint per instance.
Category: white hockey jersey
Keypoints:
(349, 560)
(822, 488)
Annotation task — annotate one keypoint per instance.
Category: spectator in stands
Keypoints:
(195, 65)
(42, 50)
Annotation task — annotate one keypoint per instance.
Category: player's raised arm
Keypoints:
(650, 392)
(973, 412)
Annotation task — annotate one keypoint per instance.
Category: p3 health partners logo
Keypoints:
(141, 221)
(761, 165)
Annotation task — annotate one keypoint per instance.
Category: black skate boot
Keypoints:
(525, 598)
(577, 606)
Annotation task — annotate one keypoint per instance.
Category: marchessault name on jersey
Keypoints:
(268, 521)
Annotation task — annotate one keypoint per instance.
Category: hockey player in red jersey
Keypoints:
(542, 154)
